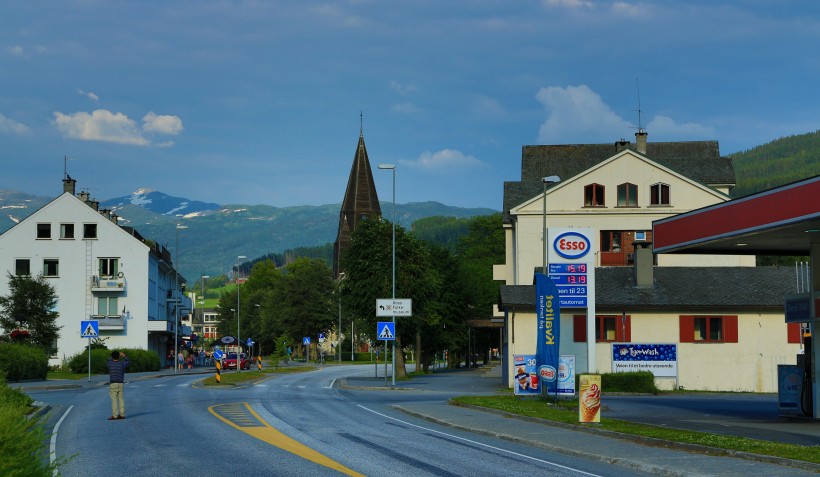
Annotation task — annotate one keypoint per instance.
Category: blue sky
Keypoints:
(259, 102)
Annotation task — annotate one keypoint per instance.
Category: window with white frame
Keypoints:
(107, 306)
(43, 231)
(51, 267)
(66, 231)
(89, 231)
(109, 267)
(22, 267)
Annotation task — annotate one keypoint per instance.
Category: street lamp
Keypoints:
(177, 301)
(392, 167)
(238, 343)
(258, 319)
(546, 180)
(202, 311)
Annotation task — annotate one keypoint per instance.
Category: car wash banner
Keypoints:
(660, 359)
(549, 331)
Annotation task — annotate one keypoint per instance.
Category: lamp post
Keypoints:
(546, 180)
(258, 319)
(202, 310)
(177, 301)
(392, 167)
(238, 343)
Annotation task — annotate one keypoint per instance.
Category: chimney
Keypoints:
(106, 213)
(621, 144)
(95, 204)
(640, 138)
(69, 185)
(644, 265)
(115, 218)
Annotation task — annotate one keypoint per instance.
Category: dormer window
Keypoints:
(659, 194)
(594, 195)
(627, 195)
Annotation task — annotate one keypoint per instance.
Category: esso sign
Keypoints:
(571, 245)
(547, 373)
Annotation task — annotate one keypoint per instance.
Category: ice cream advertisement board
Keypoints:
(526, 375)
(589, 398)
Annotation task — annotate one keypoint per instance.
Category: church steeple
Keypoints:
(361, 201)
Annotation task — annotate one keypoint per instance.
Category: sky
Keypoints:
(262, 102)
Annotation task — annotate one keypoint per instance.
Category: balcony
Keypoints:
(108, 284)
(110, 322)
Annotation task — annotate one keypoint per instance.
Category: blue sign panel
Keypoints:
(385, 330)
(218, 354)
(89, 329)
(306, 340)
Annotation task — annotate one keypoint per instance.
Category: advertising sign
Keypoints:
(660, 359)
(526, 375)
(789, 388)
(566, 376)
(589, 398)
(571, 258)
(548, 331)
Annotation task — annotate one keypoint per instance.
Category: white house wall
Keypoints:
(72, 285)
(762, 345)
(565, 209)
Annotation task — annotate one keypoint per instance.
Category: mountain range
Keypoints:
(215, 235)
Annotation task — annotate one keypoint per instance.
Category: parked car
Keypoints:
(229, 361)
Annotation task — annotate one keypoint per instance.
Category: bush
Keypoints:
(22, 361)
(638, 382)
(139, 360)
(21, 439)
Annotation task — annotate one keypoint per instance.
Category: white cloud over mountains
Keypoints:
(445, 158)
(103, 125)
(10, 126)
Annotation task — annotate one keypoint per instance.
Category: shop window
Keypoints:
(627, 195)
(708, 329)
(66, 231)
(43, 231)
(659, 194)
(22, 267)
(51, 267)
(89, 231)
(614, 328)
(594, 195)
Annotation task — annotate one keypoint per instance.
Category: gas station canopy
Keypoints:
(781, 221)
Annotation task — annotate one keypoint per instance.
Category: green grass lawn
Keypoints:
(567, 412)
(232, 377)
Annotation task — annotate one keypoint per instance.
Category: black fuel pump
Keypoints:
(806, 397)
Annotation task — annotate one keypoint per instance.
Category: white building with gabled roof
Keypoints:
(100, 271)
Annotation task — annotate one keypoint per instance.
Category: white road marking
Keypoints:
(479, 443)
(52, 455)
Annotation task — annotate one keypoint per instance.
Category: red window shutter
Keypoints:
(687, 329)
(579, 328)
(730, 329)
(793, 333)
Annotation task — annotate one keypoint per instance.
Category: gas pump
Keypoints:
(805, 362)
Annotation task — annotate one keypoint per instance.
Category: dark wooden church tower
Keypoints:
(360, 202)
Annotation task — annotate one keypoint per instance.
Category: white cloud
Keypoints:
(103, 125)
(89, 95)
(402, 89)
(406, 108)
(100, 125)
(577, 114)
(162, 124)
(10, 126)
(443, 159)
(569, 3)
(16, 50)
(666, 127)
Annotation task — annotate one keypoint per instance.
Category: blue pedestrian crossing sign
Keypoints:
(89, 329)
(306, 340)
(386, 330)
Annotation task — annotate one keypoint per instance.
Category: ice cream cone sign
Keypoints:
(589, 398)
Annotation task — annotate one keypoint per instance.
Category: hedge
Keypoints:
(22, 361)
(22, 440)
(637, 382)
(139, 360)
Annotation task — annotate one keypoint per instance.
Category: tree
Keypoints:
(307, 301)
(368, 267)
(31, 306)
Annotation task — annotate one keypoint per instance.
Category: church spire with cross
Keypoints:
(360, 201)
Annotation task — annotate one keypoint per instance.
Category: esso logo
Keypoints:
(571, 245)
(547, 373)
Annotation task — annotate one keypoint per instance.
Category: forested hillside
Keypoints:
(776, 163)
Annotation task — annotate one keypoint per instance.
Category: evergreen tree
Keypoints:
(31, 306)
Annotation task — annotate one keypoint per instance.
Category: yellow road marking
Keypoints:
(240, 416)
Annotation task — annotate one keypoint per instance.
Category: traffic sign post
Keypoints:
(89, 329)
(386, 331)
(394, 307)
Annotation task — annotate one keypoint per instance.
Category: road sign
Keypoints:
(90, 329)
(249, 342)
(227, 339)
(321, 337)
(394, 307)
(218, 354)
(386, 330)
(306, 341)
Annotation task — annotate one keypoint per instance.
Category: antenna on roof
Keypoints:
(361, 123)
(638, 87)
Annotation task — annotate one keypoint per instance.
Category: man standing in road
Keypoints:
(116, 371)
